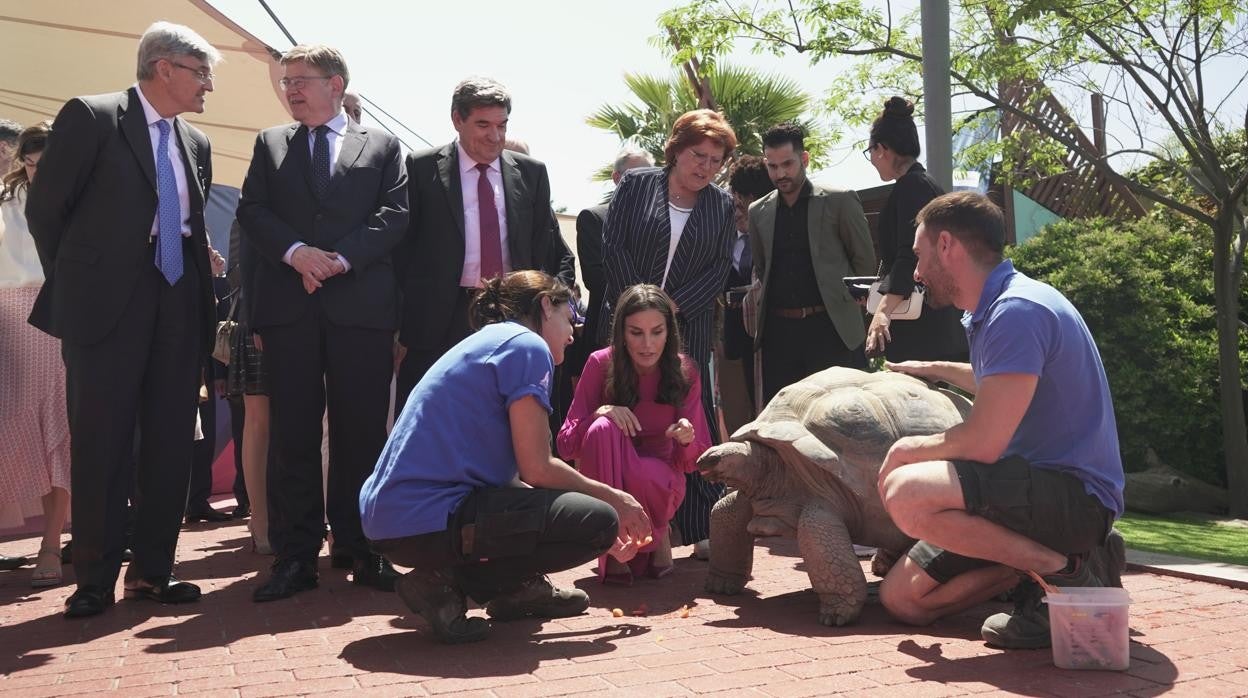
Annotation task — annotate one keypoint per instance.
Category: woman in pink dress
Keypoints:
(636, 422)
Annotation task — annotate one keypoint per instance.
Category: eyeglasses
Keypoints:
(299, 82)
(203, 76)
(867, 153)
(706, 158)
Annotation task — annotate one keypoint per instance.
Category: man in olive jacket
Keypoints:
(805, 239)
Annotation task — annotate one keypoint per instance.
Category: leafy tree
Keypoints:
(1153, 59)
(1143, 289)
(752, 102)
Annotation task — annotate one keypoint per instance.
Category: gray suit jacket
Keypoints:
(840, 246)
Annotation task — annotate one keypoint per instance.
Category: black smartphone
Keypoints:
(859, 286)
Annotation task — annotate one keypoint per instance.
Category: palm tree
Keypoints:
(752, 102)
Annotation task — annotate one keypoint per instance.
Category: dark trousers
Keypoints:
(314, 364)
(201, 459)
(693, 516)
(238, 417)
(418, 361)
(516, 534)
(144, 373)
(794, 349)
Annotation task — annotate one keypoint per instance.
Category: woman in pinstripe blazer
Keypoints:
(673, 228)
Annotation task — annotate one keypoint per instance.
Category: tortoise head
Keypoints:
(734, 463)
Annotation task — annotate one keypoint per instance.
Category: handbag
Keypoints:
(224, 341)
(908, 309)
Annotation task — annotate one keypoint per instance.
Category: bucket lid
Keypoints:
(1088, 596)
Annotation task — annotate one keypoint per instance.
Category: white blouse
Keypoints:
(19, 261)
(679, 217)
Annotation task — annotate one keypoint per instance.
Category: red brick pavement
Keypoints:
(1188, 638)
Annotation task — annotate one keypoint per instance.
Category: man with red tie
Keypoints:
(477, 211)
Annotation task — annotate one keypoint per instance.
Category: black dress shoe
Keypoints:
(209, 514)
(376, 572)
(289, 578)
(163, 589)
(241, 511)
(88, 601)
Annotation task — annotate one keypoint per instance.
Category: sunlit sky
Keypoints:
(561, 59)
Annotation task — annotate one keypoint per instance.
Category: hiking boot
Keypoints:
(1027, 628)
(1083, 574)
(538, 597)
(435, 596)
(1109, 560)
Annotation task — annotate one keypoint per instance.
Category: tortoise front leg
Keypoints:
(835, 573)
(732, 545)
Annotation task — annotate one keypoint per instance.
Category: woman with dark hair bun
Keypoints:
(466, 491)
(936, 334)
(636, 421)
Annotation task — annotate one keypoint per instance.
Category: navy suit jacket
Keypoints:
(362, 217)
(431, 257)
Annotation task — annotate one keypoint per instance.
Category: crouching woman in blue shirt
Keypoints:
(467, 491)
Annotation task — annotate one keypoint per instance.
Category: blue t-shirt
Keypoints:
(1024, 326)
(454, 434)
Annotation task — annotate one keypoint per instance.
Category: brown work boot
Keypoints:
(435, 596)
(538, 597)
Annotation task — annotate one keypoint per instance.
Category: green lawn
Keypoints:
(1203, 540)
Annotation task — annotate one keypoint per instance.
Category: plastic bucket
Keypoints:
(1089, 628)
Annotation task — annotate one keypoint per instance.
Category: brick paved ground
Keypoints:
(1188, 638)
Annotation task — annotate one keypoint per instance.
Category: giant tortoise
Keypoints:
(807, 467)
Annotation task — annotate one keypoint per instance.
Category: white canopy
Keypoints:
(53, 50)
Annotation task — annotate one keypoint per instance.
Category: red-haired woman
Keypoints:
(673, 228)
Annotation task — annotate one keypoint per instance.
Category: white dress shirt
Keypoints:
(469, 176)
(738, 248)
(679, 217)
(175, 159)
(337, 127)
(19, 260)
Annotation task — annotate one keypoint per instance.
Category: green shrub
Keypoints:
(1145, 289)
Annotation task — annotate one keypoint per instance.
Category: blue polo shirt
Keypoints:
(1024, 326)
(454, 434)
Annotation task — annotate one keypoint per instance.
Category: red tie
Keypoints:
(491, 240)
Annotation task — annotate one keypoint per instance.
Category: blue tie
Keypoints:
(168, 212)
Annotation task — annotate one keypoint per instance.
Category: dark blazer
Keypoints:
(635, 242)
(935, 334)
(362, 217)
(91, 217)
(594, 276)
(431, 257)
(737, 343)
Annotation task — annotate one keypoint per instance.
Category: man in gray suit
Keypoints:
(805, 239)
(324, 203)
(477, 211)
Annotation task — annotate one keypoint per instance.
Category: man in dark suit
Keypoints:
(117, 213)
(323, 204)
(589, 226)
(477, 211)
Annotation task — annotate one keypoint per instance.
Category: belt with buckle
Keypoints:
(798, 313)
